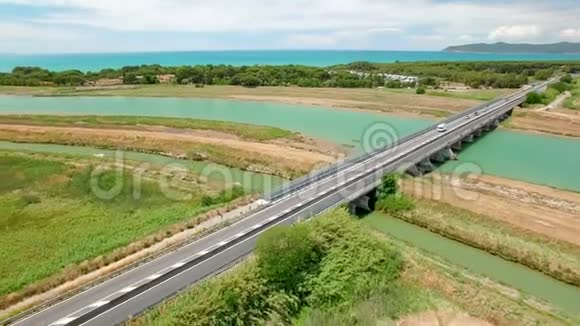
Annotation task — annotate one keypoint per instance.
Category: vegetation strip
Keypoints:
(537, 252)
(356, 74)
(246, 131)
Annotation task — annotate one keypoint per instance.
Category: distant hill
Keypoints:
(501, 47)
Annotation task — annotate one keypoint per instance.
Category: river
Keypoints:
(218, 175)
(540, 159)
(557, 293)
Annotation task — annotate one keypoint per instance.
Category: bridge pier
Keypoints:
(479, 132)
(468, 139)
(414, 171)
(457, 146)
(494, 124)
(425, 166)
(449, 154)
(365, 202)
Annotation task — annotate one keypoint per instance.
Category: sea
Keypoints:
(97, 61)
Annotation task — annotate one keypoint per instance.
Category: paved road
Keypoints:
(132, 292)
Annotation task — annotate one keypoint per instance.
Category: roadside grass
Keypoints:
(246, 131)
(51, 219)
(557, 259)
(475, 94)
(285, 167)
(427, 284)
(295, 271)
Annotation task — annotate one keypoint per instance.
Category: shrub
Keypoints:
(29, 199)
(396, 204)
(561, 87)
(566, 79)
(543, 74)
(420, 90)
(286, 255)
(534, 98)
(389, 186)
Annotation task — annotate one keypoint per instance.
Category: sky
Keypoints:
(73, 26)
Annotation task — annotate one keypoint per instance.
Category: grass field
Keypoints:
(225, 91)
(50, 217)
(246, 131)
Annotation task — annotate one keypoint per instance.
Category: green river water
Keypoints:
(539, 159)
(518, 276)
(215, 173)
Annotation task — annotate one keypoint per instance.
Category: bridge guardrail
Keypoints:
(321, 174)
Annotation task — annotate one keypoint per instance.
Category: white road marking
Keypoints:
(64, 321)
(98, 304)
(257, 226)
(273, 218)
(128, 289)
(241, 234)
(177, 265)
(223, 243)
(203, 252)
(154, 276)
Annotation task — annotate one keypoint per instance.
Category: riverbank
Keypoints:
(435, 104)
(523, 286)
(538, 209)
(254, 148)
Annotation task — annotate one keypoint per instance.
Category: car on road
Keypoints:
(441, 127)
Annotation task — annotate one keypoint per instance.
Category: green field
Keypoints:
(246, 131)
(51, 218)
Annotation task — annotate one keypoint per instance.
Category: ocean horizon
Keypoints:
(321, 58)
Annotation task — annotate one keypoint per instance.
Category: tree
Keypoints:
(566, 79)
(428, 81)
(129, 78)
(420, 90)
(389, 186)
(286, 254)
(534, 98)
(543, 74)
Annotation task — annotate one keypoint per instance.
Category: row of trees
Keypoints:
(474, 74)
(547, 97)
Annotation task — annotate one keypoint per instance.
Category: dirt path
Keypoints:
(552, 212)
(558, 121)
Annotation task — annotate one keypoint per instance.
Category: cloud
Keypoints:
(26, 32)
(465, 37)
(570, 34)
(372, 24)
(516, 33)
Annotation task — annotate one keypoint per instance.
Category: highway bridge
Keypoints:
(352, 181)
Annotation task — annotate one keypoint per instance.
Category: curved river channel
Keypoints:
(538, 159)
